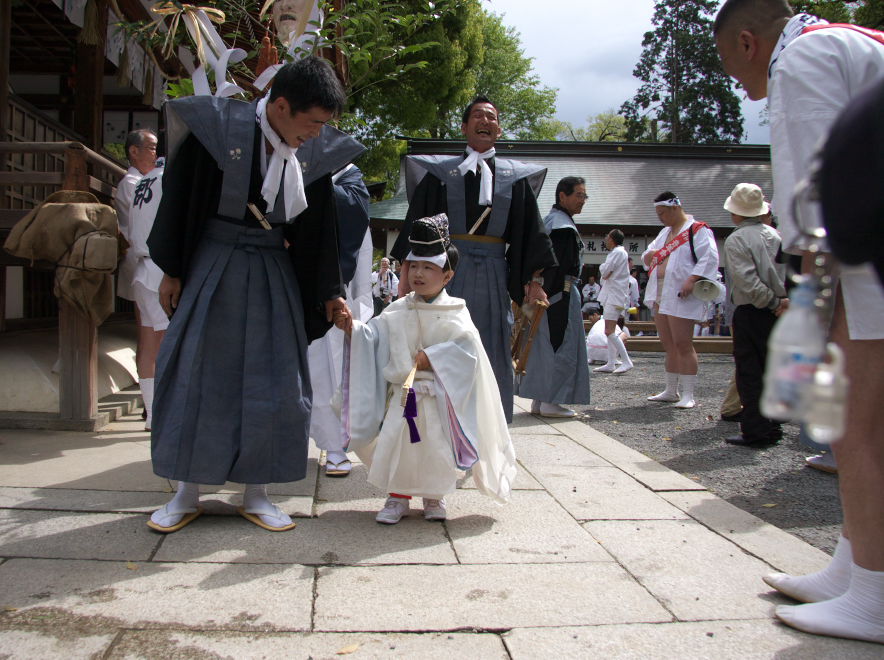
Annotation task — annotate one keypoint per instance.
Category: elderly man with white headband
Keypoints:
(683, 253)
(491, 204)
(233, 395)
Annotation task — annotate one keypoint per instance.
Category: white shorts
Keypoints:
(152, 314)
(863, 301)
(612, 312)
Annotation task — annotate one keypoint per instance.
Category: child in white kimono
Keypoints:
(459, 423)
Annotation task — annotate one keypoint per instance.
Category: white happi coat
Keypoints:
(813, 79)
(615, 289)
(146, 197)
(679, 266)
(123, 204)
(460, 418)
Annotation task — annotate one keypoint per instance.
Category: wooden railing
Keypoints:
(66, 166)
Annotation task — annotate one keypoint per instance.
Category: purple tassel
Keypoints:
(410, 413)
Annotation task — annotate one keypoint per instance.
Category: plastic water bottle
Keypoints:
(826, 400)
(797, 345)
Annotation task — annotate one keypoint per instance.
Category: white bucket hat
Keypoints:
(747, 200)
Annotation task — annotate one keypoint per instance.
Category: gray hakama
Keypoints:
(481, 280)
(233, 392)
(560, 376)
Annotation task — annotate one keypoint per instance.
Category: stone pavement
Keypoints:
(601, 553)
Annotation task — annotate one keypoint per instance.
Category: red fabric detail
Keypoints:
(874, 34)
(674, 244)
(404, 497)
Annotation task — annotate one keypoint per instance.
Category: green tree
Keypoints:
(684, 88)
(869, 13)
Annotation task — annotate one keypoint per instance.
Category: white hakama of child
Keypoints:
(460, 420)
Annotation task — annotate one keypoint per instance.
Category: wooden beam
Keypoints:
(5, 38)
(89, 102)
(78, 353)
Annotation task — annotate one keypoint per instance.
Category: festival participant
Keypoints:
(614, 297)
(492, 206)
(556, 371)
(452, 419)
(597, 340)
(146, 279)
(384, 286)
(810, 72)
(325, 355)
(232, 390)
(683, 252)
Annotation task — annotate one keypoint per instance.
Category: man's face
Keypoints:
(296, 129)
(285, 17)
(609, 242)
(573, 203)
(144, 158)
(667, 214)
(743, 60)
(482, 128)
(591, 279)
(427, 279)
(385, 265)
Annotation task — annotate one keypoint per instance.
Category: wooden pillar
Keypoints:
(88, 98)
(78, 357)
(5, 36)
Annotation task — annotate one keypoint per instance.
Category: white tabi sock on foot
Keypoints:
(826, 584)
(146, 385)
(186, 500)
(608, 366)
(857, 614)
(619, 349)
(687, 382)
(255, 501)
(670, 394)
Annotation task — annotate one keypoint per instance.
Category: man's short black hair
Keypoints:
(136, 138)
(616, 236)
(665, 196)
(758, 16)
(476, 100)
(568, 184)
(310, 82)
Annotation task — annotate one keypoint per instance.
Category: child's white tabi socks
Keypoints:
(146, 385)
(826, 584)
(670, 394)
(856, 614)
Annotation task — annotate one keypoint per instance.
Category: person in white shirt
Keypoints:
(614, 298)
(683, 253)
(590, 290)
(810, 72)
(634, 294)
(384, 285)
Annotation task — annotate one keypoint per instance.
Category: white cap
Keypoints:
(747, 200)
(438, 259)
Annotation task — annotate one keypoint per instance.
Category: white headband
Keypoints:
(675, 201)
(438, 259)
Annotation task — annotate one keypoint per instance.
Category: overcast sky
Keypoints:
(588, 49)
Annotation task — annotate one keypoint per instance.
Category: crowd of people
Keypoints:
(253, 244)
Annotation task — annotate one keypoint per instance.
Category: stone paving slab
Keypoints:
(599, 493)
(645, 470)
(52, 534)
(696, 573)
(30, 644)
(535, 451)
(722, 640)
(335, 537)
(483, 597)
(524, 479)
(95, 596)
(531, 528)
(162, 645)
(780, 549)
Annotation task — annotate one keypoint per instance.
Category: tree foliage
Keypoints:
(684, 88)
(869, 13)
